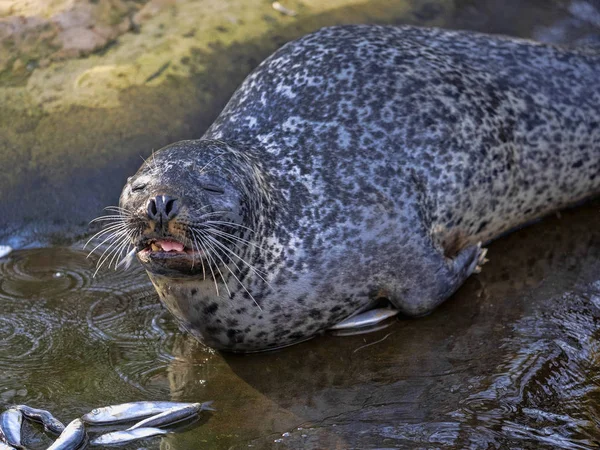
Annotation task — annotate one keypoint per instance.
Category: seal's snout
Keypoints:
(162, 208)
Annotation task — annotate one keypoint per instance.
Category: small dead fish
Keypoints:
(368, 318)
(121, 437)
(50, 422)
(128, 412)
(173, 415)
(71, 438)
(10, 427)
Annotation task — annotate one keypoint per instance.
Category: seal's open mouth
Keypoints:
(169, 246)
(169, 256)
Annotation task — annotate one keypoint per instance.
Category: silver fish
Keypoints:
(72, 438)
(4, 446)
(121, 437)
(365, 319)
(50, 422)
(128, 412)
(173, 415)
(10, 427)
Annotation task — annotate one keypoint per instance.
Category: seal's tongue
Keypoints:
(170, 246)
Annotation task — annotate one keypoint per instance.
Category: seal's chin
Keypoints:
(170, 257)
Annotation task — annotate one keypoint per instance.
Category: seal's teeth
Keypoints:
(155, 248)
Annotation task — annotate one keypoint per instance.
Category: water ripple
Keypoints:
(43, 273)
(26, 336)
(64, 330)
(542, 393)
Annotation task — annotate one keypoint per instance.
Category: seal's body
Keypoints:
(360, 163)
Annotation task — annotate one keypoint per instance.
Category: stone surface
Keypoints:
(90, 88)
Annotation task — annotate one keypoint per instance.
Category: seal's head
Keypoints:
(189, 208)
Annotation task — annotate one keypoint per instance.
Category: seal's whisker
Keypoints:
(213, 238)
(105, 258)
(119, 250)
(115, 217)
(126, 255)
(210, 162)
(118, 209)
(154, 159)
(195, 243)
(111, 230)
(106, 229)
(232, 224)
(193, 257)
(227, 235)
(217, 266)
(194, 253)
(209, 263)
(250, 266)
(124, 234)
(107, 221)
(126, 260)
(236, 245)
(113, 235)
(213, 213)
(232, 274)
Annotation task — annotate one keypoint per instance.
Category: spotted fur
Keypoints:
(384, 154)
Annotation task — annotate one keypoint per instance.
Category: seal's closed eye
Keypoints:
(213, 189)
(138, 187)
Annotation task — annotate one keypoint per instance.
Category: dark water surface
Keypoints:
(511, 361)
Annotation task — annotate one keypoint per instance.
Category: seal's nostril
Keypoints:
(152, 211)
(162, 207)
(169, 206)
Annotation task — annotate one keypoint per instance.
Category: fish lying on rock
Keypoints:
(128, 412)
(72, 438)
(121, 437)
(51, 423)
(10, 427)
(173, 415)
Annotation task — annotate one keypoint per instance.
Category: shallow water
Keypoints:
(511, 361)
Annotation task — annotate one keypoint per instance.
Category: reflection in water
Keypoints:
(511, 361)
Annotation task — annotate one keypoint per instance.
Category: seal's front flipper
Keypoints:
(468, 261)
(431, 284)
(482, 259)
(365, 321)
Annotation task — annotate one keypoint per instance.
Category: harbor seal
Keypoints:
(359, 164)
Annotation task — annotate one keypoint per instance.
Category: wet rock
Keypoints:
(88, 88)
